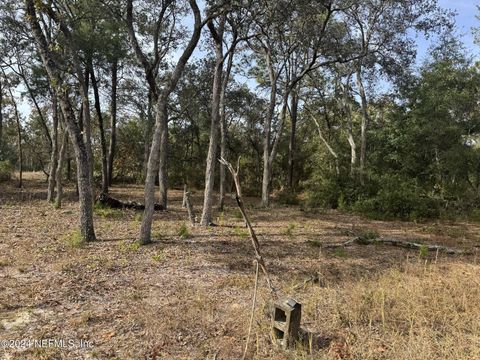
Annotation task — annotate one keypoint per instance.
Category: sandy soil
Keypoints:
(189, 296)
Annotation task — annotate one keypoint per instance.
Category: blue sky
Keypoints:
(465, 21)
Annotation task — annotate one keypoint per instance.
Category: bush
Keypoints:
(6, 170)
(323, 193)
(288, 197)
(398, 198)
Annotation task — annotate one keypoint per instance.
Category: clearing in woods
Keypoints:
(188, 295)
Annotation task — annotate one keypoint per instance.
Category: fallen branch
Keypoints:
(399, 243)
(108, 201)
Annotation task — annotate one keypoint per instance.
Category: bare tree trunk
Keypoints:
(267, 132)
(223, 127)
(163, 160)
(59, 170)
(152, 169)
(54, 151)
(87, 124)
(364, 124)
(19, 140)
(103, 141)
(351, 140)
(113, 121)
(353, 152)
(161, 113)
(148, 134)
(330, 149)
(189, 206)
(1, 111)
(291, 147)
(83, 158)
(215, 118)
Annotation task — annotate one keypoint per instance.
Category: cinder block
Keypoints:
(287, 315)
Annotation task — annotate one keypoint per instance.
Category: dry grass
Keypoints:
(187, 296)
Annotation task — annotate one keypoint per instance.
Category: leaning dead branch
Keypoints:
(253, 236)
(256, 246)
(399, 243)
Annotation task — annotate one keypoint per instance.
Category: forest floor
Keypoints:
(188, 295)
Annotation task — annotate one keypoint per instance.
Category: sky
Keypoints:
(465, 20)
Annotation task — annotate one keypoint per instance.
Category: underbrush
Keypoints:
(386, 197)
(6, 170)
(420, 311)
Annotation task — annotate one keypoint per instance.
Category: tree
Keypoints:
(63, 90)
(157, 160)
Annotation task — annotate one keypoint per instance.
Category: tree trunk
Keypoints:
(163, 158)
(267, 133)
(364, 124)
(161, 120)
(223, 152)
(103, 141)
(1, 111)
(148, 134)
(152, 169)
(347, 110)
(329, 148)
(113, 121)
(54, 151)
(87, 124)
(58, 173)
(19, 140)
(223, 126)
(214, 125)
(292, 144)
(80, 146)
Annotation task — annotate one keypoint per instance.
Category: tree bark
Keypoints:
(217, 36)
(79, 144)
(150, 122)
(163, 157)
(364, 124)
(292, 144)
(1, 111)
(346, 106)
(223, 126)
(59, 170)
(113, 121)
(87, 124)
(267, 131)
(54, 151)
(103, 141)
(19, 140)
(161, 113)
(330, 149)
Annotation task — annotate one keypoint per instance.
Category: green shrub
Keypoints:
(6, 170)
(106, 212)
(398, 198)
(288, 197)
(183, 231)
(74, 239)
(323, 193)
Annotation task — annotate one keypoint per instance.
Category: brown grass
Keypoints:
(188, 297)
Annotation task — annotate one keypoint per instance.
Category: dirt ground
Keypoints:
(188, 295)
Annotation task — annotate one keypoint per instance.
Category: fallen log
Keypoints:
(399, 243)
(108, 201)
